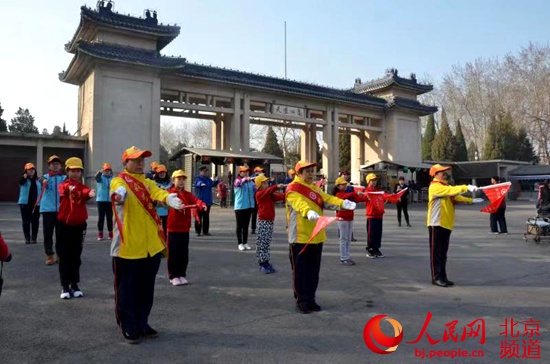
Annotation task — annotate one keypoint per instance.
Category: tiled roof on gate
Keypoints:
(279, 84)
(149, 25)
(390, 79)
(531, 170)
(410, 104)
(135, 56)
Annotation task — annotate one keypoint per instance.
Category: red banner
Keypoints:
(322, 223)
(359, 188)
(394, 198)
(496, 194)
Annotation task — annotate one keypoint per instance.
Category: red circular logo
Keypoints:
(313, 196)
(375, 339)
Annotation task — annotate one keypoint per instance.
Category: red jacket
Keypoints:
(72, 204)
(222, 190)
(265, 199)
(4, 250)
(347, 215)
(375, 204)
(180, 221)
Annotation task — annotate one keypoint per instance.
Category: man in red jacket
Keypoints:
(266, 196)
(178, 225)
(71, 227)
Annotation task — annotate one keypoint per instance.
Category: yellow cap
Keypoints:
(244, 168)
(54, 158)
(73, 163)
(261, 178)
(370, 177)
(178, 173)
(291, 172)
(340, 181)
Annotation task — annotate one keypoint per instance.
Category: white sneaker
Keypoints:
(183, 281)
(65, 294)
(175, 282)
(241, 247)
(247, 247)
(77, 294)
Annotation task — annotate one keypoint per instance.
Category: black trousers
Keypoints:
(134, 292)
(405, 208)
(254, 218)
(31, 222)
(374, 233)
(178, 254)
(104, 210)
(500, 219)
(223, 202)
(243, 220)
(305, 270)
(69, 239)
(203, 225)
(439, 246)
(164, 222)
(49, 222)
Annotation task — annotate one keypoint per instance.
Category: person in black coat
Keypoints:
(402, 204)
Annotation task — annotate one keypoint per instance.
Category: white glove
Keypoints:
(472, 188)
(120, 193)
(312, 215)
(71, 188)
(91, 194)
(205, 207)
(477, 200)
(349, 205)
(174, 202)
(203, 184)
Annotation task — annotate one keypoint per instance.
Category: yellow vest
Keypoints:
(441, 203)
(297, 207)
(138, 228)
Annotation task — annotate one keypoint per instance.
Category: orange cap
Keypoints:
(244, 168)
(106, 167)
(29, 166)
(291, 172)
(438, 168)
(153, 165)
(258, 169)
(304, 164)
(161, 168)
(135, 153)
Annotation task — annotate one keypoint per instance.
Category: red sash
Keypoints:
(307, 192)
(144, 198)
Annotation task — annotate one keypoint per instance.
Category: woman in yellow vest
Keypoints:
(305, 203)
(441, 218)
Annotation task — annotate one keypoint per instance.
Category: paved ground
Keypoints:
(233, 314)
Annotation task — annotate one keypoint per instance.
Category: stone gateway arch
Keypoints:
(125, 85)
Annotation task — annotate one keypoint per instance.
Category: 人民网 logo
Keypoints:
(379, 342)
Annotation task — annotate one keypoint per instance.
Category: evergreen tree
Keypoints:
(45, 132)
(501, 140)
(472, 151)
(344, 144)
(428, 138)
(271, 145)
(57, 130)
(23, 122)
(65, 131)
(3, 123)
(461, 153)
(525, 148)
(443, 146)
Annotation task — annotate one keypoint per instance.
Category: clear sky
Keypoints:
(329, 42)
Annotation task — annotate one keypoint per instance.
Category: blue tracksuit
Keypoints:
(203, 189)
